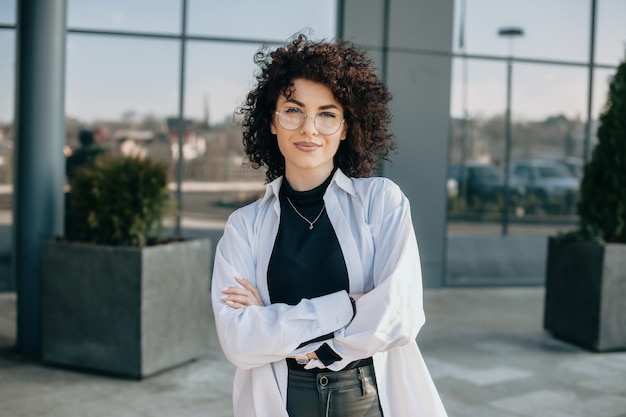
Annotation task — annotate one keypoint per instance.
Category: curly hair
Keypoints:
(348, 72)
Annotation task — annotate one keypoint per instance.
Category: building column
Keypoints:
(38, 202)
(411, 41)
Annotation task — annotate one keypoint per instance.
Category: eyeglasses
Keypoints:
(292, 118)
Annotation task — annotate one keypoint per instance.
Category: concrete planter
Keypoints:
(585, 294)
(126, 311)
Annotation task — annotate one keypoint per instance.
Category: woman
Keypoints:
(316, 287)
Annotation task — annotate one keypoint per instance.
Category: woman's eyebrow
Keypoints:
(324, 107)
(294, 101)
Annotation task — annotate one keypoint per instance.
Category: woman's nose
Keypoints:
(308, 127)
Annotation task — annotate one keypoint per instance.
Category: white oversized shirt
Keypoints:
(372, 221)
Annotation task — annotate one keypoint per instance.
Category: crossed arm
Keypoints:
(248, 295)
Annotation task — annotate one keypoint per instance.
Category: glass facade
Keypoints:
(554, 30)
(145, 85)
(155, 16)
(144, 82)
(124, 89)
(274, 20)
(7, 94)
(7, 12)
(518, 185)
(610, 32)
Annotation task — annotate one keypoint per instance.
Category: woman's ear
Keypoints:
(272, 128)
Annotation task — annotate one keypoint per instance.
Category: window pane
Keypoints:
(108, 79)
(7, 94)
(136, 15)
(611, 32)
(273, 19)
(548, 111)
(8, 10)
(549, 32)
(127, 96)
(539, 91)
(218, 78)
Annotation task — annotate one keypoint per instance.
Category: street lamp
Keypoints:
(511, 33)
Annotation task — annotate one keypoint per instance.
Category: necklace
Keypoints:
(311, 223)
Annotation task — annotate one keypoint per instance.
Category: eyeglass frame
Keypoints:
(277, 112)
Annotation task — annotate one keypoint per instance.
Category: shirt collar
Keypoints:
(343, 182)
(340, 180)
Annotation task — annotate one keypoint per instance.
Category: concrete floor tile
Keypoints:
(605, 406)
(543, 404)
(493, 376)
(608, 384)
(457, 409)
(596, 366)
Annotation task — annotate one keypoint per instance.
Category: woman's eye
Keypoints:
(292, 110)
(328, 115)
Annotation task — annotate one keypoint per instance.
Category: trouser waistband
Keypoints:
(343, 378)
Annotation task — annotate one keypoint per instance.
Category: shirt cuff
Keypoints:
(327, 355)
(334, 311)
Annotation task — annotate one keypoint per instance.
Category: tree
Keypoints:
(602, 205)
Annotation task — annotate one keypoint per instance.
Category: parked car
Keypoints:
(574, 165)
(484, 181)
(550, 181)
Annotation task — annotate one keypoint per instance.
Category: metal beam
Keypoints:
(38, 201)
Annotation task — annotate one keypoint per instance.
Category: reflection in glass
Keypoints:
(610, 32)
(7, 80)
(549, 32)
(218, 78)
(548, 108)
(7, 88)
(273, 20)
(8, 10)
(162, 16)
(129, 99)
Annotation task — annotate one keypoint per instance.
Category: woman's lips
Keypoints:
(307, 146)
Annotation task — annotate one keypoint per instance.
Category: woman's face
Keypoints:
(308, 149)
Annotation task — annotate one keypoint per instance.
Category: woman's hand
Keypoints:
(237, 297)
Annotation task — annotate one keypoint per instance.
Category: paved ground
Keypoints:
(485, 348)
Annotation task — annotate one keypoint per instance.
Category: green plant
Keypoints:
(118, 200)
(602, 205)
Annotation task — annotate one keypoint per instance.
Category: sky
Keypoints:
(108, 76)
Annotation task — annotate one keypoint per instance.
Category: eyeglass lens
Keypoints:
(326, 123)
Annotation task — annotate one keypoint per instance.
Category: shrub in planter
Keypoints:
(119, 200)
(116, 297)
(602, 205)
(586, 272)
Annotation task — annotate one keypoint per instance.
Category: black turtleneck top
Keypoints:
(305, 262)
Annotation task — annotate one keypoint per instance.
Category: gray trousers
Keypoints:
(347, 393)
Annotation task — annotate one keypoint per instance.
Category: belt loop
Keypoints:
(363, 383)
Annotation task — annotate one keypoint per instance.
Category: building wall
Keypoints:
(418, 74)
